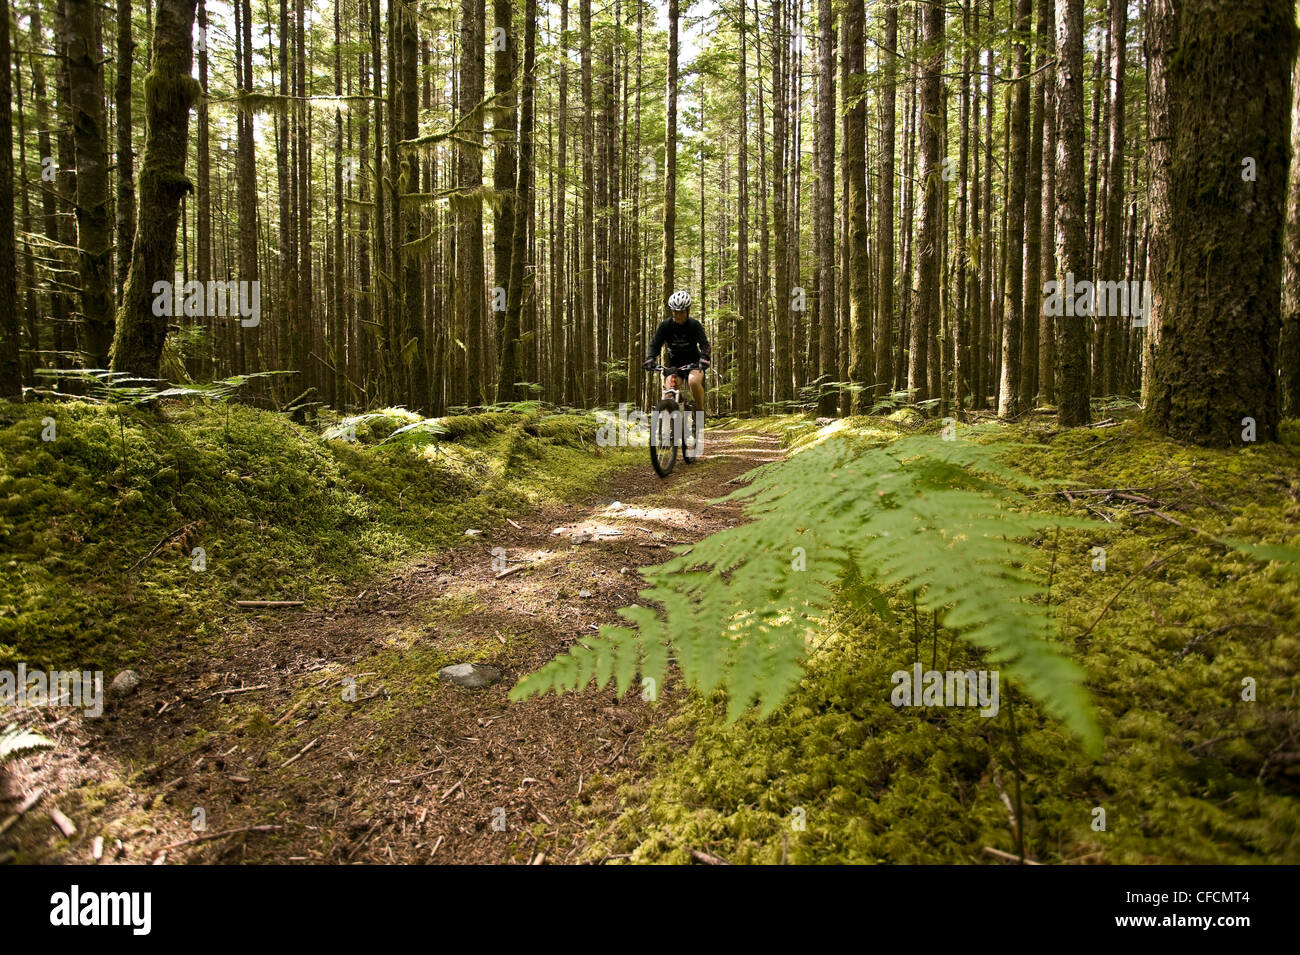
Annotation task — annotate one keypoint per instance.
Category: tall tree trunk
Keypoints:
(504, 122)
(1289, 348)
(1071, 211)
(1047, 331)
(884, 371)
(587, 326)
(745, 315)
(247, 176)
(1033, 299)
(1112, 235)
(560, 313)
(519, 272)
(170, 92)
(11, 378)
(90, 140)
(670, 162)
(125, 152)
(925, 318)
(1013, 324)
(783, 382)
(855, 165)
(1215, 215)
(825, 213)
(413, 344)
(469, 238)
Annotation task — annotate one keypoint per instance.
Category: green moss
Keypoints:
(1190, 771)
(279, 512)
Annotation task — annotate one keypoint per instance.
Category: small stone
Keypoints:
(473, 532)
(622, 570)
(584, 593)
(580, 538)
(471, 675)
(125, 683)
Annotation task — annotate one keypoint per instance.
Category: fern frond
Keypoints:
(16, 742)
(842, 520)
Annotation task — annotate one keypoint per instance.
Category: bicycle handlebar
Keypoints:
(694, 366)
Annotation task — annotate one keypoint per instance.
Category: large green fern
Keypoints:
(936, 520)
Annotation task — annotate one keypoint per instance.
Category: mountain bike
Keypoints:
(673, 421)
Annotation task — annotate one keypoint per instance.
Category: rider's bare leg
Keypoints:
(697, 388)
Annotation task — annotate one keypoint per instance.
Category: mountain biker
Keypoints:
(687, 345)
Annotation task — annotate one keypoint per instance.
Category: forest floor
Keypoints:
(324, 734)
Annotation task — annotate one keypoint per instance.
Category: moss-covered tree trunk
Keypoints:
(504, 122)
(469, 205)
(1218, 210)
(125, 152)
(413, 343)
(510, 350)
(11, 383)
(169, 92)
(90, 142)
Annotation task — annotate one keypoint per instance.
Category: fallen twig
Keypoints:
(1010, 857)
(215, 835)
(300, 753)
(707, 859)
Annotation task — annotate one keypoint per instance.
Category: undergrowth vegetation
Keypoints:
(1188, 644)
(103, 510)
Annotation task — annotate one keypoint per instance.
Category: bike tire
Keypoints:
(663, 457)
(690, 436)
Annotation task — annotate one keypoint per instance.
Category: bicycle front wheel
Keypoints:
(664, 425)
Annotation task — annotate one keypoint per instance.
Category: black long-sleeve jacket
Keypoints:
(686, 342)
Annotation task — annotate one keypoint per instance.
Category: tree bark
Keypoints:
(94, 221)
(1216, 265)
(1071, 210)
(506, 387)
(170, 92)
(11, 379)
(925, 318)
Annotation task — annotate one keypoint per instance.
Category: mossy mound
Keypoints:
(100, 525)
(1192, 651)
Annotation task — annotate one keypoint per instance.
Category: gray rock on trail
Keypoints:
(472, 675)
(125, 683)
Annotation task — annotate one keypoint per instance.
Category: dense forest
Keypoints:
(983, 206)
(320, 323)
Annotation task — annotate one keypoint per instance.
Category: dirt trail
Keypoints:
(412, 769)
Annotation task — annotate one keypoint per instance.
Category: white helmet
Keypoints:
(679, 301)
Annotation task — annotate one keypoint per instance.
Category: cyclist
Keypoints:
(687, 345)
